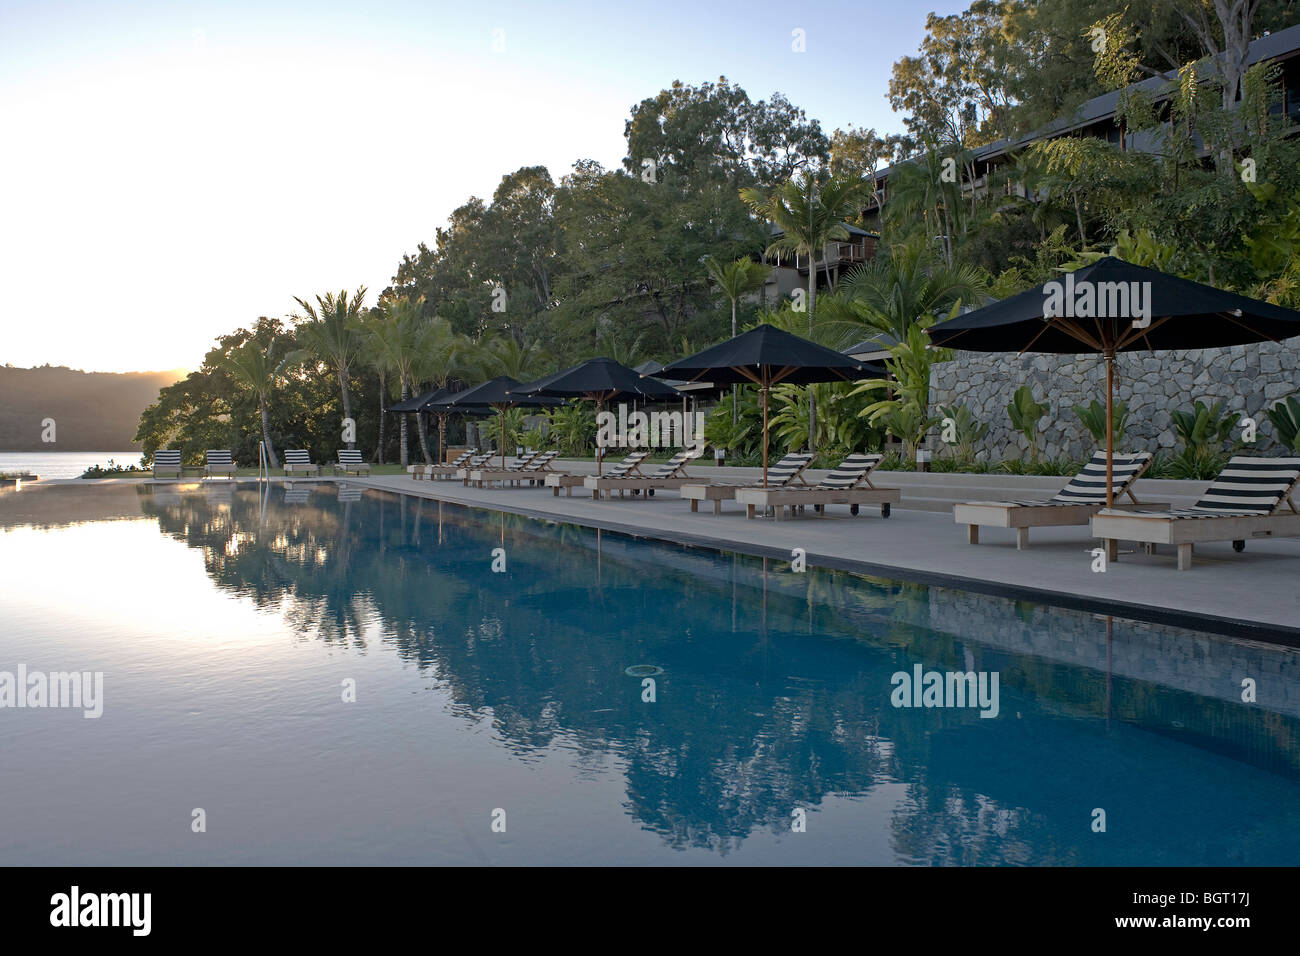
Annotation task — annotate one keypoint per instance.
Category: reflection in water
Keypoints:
(775, 685)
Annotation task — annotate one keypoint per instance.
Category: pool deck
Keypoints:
(1255, 594)
(1252, 595)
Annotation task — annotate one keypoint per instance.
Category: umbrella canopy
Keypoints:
(416, 404)
(599, 380)
(497, 394)
(436, 403)
(1112, 306)
(767, 356)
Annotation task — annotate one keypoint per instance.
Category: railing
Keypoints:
(263, 467)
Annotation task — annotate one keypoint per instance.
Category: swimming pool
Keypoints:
(494, 719)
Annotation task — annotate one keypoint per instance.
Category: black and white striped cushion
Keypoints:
(624, 467)
(297, 456)
(850, 472)
(1088, 487)
(1249, 486)
(350, 456)
(464, 456)
(218, 457)
(541, 461)
(674, 464)
(167, 458)
(785, 470)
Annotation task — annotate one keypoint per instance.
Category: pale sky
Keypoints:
(171, 171)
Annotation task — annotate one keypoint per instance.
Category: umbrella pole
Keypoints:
(600, 449)
(501, 412)
(764, 431)
(1110, 428)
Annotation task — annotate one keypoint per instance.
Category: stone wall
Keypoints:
(1247, 378)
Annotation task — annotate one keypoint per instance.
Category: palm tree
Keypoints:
(893, 292)
(444, 355)
(397, 343)
(735, 279)
(330, 332)
(256, 367)
(809, 216)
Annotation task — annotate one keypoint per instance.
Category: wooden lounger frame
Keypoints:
(1049, 513)
(1212, 518)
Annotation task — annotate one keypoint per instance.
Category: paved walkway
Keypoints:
(1253, 594)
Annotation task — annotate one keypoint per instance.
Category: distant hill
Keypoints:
(93, 411)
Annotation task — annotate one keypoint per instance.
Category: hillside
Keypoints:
(93, 411)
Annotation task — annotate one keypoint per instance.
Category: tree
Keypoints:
(897, 290)
(809, 216)
(734, 279)
(330, 333)
(256, 365)
(395, 341)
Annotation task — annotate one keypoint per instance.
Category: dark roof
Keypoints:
(1276, 46)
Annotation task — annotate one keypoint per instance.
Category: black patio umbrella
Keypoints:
(1114, 306)
(599, 380)
(497, 395)
(767, 356)
(436, 403)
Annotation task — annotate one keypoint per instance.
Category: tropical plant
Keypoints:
(735, 279)
(329, 332)
(965, 429)
(256, 366)
(1285, 416)
(395, 343)
(736, 424)
(1025, 414)
(906, 413)
(571, 428)
(809, 215)
(1093, 417)
(1204, 426)
(893, 292)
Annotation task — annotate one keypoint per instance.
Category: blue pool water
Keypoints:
(229, 626)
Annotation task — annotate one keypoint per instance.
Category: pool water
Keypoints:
(334, 676)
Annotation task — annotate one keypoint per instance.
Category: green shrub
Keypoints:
(1093, 417)
(1285, 416)
(1025, 414)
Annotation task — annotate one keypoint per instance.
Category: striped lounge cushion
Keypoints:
(624, 467)
(1248, 486)
(785, 470)
(167, 458)
(1088, 487)
(218, 457)
(850, 472)
(350, 456)
(296, 456)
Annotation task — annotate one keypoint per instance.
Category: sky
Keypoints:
(171, 171)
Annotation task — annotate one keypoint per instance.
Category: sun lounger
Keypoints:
(1245, 501)
(350, 460)
(669, 475)
(430, 471)
(848, 484)
(447, 470)
(532, 471)
(1074, 504)
(297, 461)
(167, 461)
(219, 463)
(477, 461)
(785, 473)
(517, 465)
(628, 466)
